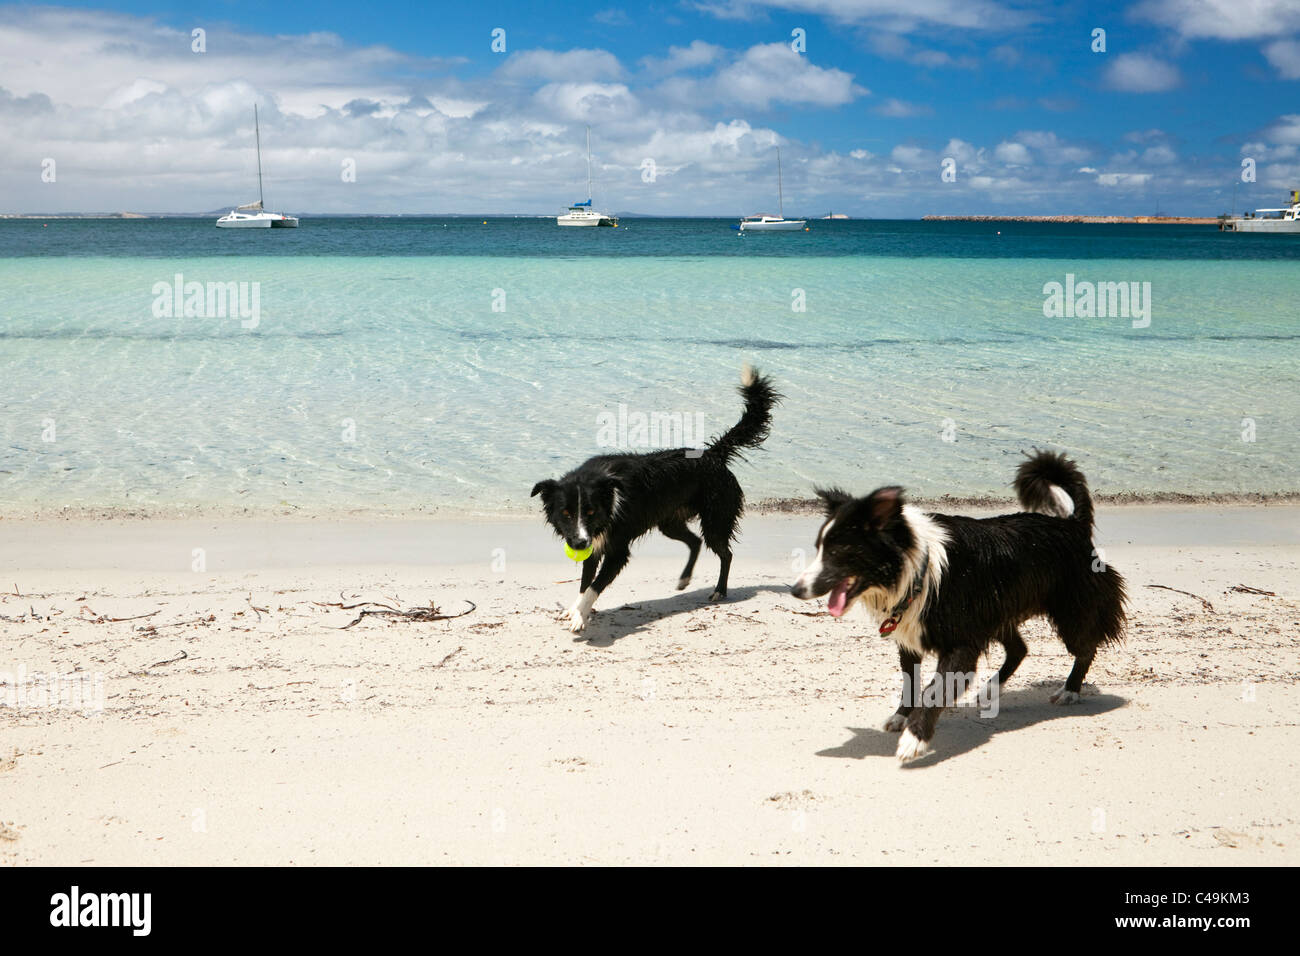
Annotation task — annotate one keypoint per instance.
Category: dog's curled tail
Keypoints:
(1052, 484)
(754, 425)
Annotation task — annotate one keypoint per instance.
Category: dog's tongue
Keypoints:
(838, 599)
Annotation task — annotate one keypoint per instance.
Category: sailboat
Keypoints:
(581, 213)
(252, 215)
(776, 223)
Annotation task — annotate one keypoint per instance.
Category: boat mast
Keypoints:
(780, 196)
(588, 166)
(257, 133)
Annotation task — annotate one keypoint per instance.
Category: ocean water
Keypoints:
(416, 365)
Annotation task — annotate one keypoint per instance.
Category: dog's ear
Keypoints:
(832, 499)
(884, 505)
(544, 488)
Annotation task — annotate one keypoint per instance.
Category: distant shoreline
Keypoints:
(1147, 220)
(1143, 220)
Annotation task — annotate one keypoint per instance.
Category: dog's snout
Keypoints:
(801, 590)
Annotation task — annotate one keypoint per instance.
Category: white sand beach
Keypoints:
(242, 723)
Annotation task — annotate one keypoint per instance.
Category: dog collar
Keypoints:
(918, 584)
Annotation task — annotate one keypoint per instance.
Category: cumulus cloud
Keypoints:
(1141, 73)
(679, 58)
(894, 46)
(1123, 180)
(565, 65)
(139, 122)
(1013, 153)
(774, 72)
(1285, 130)
(895, 15)
(1223, 19)
(899, 109)
(1284, 55)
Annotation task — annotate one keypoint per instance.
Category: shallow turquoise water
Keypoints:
(389, 382)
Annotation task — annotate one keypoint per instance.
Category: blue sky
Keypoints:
(433, 120)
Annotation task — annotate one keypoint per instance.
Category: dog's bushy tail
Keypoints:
(755, 423)
(1052, 484)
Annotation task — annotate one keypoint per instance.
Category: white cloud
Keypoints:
(896, 15)
(1223, 19)
(773, 72)
(1141, 73)
(149, 126)
(901, 109)
(566, 65)
(613, 17)
(1013, 153)
(1285, 130)
(1145, 135)
(896, 47)
(1159, 156)
(1285, 57)
(587, 102)
(681, 58)
(1124, 180)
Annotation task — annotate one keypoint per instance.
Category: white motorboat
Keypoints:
(774, 223)
(252, 215)
(1285, 219)
(581, 213)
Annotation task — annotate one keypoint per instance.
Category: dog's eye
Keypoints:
(566, 513)
(591, 511)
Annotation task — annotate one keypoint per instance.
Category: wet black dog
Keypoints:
(609, 501)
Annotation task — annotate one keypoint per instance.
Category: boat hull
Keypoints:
(1262, 225)
(584, 220)
(259, 221)
(784, 225)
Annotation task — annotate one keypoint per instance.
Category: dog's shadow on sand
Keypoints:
(607, 626)
(962, 729)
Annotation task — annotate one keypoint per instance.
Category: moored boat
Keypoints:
(581, 213)
(777, 223)
(1284, 219)
(253, 215)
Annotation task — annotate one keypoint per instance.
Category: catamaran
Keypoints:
(1287, 219)
(774, 223)
(581, 213)
(252, 215)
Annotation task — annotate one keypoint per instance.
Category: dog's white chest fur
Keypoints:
(931, 554)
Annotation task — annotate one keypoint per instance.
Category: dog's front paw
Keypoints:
(717, 596)
(577, 617)
(910, 747)
(683, 582)
(1064, 697)
(896, 722)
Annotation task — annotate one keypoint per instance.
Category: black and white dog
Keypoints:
(954, 586)
(609, 501)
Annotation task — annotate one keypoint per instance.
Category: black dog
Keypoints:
(611, 500)
(955, 585)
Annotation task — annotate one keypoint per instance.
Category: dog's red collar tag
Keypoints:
(888, 626)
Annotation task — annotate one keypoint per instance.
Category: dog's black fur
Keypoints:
(984, 577)
(609, 501)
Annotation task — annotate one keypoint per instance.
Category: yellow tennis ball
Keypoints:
(572, 555)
